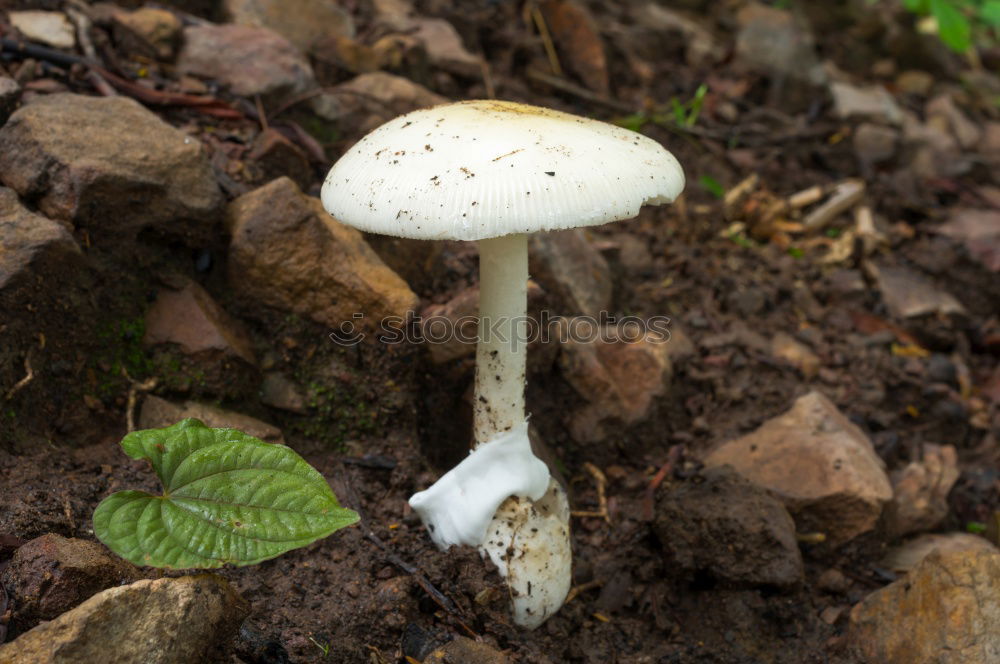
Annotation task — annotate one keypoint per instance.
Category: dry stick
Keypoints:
(205, 104)
(602, 500)
(673, 456)
(583, 587)
(577, 90)
(133, 393)
(547, 43)
(21, 384)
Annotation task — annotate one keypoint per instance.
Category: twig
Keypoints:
(484, 66)
(133, 392)
(602, 500)
(673, 457)
(547, 43)
(205, 104)
(28, 377)
(577, 90)
(261, 115)
(583, 587)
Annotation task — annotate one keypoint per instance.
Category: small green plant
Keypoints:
(323, 647)
(682, 114)
(712, 186)
(958, 21)
(228, 498)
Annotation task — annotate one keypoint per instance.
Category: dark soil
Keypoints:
(385, 422)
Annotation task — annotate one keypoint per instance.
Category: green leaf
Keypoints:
(990, 13)
(712, 186)
(953, 27)
(916, 6)
(228, 498)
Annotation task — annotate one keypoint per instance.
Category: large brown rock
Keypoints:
(247, 60)
(821, 465)
(288, 253)
(52, 574)
(947, 609)
(166, 621)
(108, 164)
(191, 319)
(620, 370)
(157, 413)
(573, 271)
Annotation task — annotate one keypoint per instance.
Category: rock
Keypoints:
(302, 22)
(287, 252)
(32, 247)
(191, 319)
(50, 28)
(147, 31)
(369, 100)
(109, 165)
(278, 391)
(272, 155)
(915, 82)
(445, 49)
(942, 109)
(247, 60)
(979, 231)
(10, 93)
(450, 330)
(702, 46)
(157, 413)
(786, 348)
(162, 621)
(920, 491)
(772, 41)
(906, 556)
(568, 267)
(462, 650)
(730, 529)
(578, 41)
(52, 574)
(908, 294)
(620, 370)
(874, 144)
(872, 102)
(821, 465)
(947, 609)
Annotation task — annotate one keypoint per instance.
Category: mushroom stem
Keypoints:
(501, 353)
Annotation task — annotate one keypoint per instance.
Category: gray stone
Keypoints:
(163, 621)
(773, 41)
(109, 165)
(856, 103)
(920, 491)
(10, 93)
(369, 100)
(302, 22)
(908, 294)
(50, 28)
(874, 144)
(247, 60)
(32, 247)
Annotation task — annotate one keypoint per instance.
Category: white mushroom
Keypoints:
(494, 171)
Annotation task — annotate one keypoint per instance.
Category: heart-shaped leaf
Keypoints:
(228, 498)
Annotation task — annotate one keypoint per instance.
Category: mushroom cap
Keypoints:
(480, 169)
